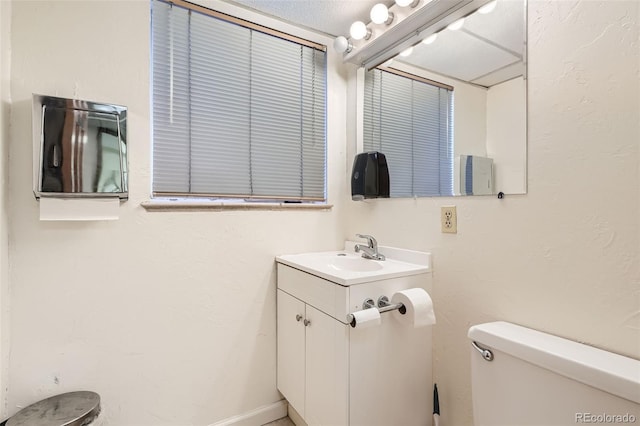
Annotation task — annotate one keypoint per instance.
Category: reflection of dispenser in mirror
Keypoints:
(476, 175)
(370, 176)
(79, 148)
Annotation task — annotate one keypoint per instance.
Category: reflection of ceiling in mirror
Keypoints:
(333, 17)
(486, 51)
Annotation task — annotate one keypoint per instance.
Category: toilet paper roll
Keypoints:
(366, 318)
(418, 305)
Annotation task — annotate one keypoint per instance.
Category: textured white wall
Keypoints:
(5, 112)
(564, 258)
(170, 317)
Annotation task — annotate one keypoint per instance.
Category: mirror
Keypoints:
(82, 148)
(483, 62)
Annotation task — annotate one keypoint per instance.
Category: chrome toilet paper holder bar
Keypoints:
(383, 306)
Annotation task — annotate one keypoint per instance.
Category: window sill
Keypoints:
(182, 206)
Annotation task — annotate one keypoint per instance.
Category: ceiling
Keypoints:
(486, 51)
(332, 17)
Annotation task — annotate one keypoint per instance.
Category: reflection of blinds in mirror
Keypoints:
(411, 122)
(236, 112)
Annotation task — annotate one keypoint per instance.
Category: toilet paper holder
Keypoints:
(383, 306)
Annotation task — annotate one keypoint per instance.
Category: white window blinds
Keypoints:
(237, 113)
(411, 122)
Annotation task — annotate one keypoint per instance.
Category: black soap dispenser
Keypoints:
(370, 176)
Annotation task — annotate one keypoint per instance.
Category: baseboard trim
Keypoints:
(295, 417)
(257, 417)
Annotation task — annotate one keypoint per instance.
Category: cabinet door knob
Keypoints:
(307, 322)
(298, 317)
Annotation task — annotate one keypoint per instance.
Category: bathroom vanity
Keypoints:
(334, 374)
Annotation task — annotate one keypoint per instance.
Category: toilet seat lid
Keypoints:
(67, 409)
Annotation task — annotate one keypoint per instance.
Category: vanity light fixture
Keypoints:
(342, 45)
(406, 52)
(405, 3)
(408, 22)
(430, 39)
(360, 31)
(488, 8)
(380, 14)
(456, 25)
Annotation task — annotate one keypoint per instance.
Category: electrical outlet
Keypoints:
(449, 219)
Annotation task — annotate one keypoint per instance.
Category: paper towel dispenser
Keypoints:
(80, 148)
(370, 176)
(476, 175)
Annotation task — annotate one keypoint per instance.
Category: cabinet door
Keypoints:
(291, 363)
(327, 348)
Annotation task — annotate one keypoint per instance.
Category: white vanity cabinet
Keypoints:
(313, 355)
(335, 375)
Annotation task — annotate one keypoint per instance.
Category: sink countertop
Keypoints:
(346, 267)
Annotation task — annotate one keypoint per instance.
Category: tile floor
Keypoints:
(286, 421)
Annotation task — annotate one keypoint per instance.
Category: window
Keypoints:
(237, 112)
(410, 120)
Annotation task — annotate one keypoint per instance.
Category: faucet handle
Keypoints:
(370, 240)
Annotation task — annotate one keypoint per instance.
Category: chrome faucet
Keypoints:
(370, 251)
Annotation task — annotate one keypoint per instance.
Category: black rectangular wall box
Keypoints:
(370, 176)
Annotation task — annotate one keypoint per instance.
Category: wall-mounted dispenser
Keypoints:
(80, 149)
(370, 176)
(476, 175)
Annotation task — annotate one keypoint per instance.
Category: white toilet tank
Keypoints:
(538, 379)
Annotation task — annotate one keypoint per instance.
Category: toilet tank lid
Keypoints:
(607, 371)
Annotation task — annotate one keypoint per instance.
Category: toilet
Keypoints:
(67, 409)
(521, 376)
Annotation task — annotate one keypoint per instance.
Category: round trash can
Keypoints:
(67, 409)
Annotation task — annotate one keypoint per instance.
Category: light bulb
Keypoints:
(488, 8)
(406, 52)
(405, 3)
(359, 31)
(380, 14)
(456, 25)
(342, 45)
(430, 39)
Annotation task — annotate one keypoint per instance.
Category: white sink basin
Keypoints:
(344, 262)
(347, 267)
